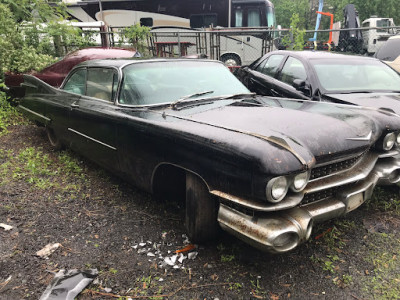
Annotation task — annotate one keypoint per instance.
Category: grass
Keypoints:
(384, 279)
(8, 115)
(385, 199)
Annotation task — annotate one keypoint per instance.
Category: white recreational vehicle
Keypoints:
(190, 15)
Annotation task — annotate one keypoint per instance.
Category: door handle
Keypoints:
(74, 105)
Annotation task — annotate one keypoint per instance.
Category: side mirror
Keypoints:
(302, 86)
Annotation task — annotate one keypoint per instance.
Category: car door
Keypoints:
(292, 72)
(92, 118)
(261, 79)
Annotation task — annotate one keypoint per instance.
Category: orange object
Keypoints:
(331, 25)
(186, 249)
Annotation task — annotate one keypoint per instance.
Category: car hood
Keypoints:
(388, 101)
(312, 132)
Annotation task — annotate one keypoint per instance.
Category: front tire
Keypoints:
(201, 211)
(53, 139)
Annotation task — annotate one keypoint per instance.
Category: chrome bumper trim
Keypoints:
(282, 231)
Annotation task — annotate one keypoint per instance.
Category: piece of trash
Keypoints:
(3, 284)
(161, 280)
(324, 233)
(66, 285)
(47, 250)
(150, 254)
(186, 249)
(140, 251)
(107, 290)
(164, 235)
(176, 267)
(181, 258)
(6, 227)
(185, 239)
(192, 255)
(171, 260)
(142, 244)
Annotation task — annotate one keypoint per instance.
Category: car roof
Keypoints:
(120, 63)
(320, 54)
(394, 37)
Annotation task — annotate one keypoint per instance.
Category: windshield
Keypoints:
(165, 82)
(355, 75)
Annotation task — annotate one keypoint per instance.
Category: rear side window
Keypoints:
(270, 65)
(76, 83)
(293, 69)
(101, 83)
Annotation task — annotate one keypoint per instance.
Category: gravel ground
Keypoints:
(105, 224)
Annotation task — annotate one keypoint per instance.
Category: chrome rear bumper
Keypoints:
(284, 230)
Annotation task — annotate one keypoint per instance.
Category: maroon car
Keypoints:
(55, 73)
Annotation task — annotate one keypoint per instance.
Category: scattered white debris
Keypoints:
(181, 258)
(6, 227)
(164, 235)
(161, 279)
(142, 244)
(47, 250)
(107, 290)
(192, 255)
(150, 254)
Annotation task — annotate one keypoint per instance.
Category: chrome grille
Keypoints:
(334, 168)
(317, 196)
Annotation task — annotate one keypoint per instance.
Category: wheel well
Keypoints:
(169, 183)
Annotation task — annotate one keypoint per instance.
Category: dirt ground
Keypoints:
(105, 224)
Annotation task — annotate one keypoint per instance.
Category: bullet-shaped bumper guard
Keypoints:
(282, 231)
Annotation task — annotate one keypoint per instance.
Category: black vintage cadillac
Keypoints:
(263, 169)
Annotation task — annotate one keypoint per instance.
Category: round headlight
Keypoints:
(398, 139)
(300, 181)
(388, 141)
(277, 189)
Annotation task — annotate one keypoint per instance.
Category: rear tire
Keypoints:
(201, 211)
(231, 60)
(53, 139)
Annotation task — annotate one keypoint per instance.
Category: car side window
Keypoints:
(270, 65)
(101, 83)
(76, 83)
(293, 69)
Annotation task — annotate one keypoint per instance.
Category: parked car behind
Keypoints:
(263, 169)
(55, 73)
(390, 52)
(323, 76)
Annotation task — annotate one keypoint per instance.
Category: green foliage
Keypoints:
(296, 39)
(136, 35)
(8, 114)
(32, 32)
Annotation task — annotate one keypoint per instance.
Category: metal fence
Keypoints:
(242, 47)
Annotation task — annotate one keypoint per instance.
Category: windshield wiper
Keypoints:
(174, 104)
(238, 96)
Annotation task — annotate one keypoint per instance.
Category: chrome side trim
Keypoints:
(92, 139)
(288, 202)
(35, 113)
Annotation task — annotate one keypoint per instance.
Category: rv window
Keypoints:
(270, 17)
(239, 18)
(202, 21)
(146, 22)
(253, 17)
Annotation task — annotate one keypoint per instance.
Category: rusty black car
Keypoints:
(263, 169)
(323, 76)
